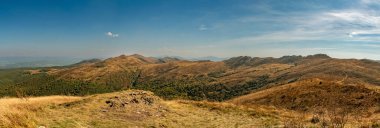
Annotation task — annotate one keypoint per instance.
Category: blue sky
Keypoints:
(196, 28)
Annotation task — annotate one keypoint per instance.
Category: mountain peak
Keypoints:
(134, 59)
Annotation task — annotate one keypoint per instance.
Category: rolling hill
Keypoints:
(132, 108)
(314, 94)
(316, 87)
(219, 80)
(198, 80)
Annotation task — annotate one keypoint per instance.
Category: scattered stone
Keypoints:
(134, 101)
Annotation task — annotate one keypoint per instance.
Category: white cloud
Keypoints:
(112, 35)
(336, 25)
(352, 34)
(203, 27)
(360, 19)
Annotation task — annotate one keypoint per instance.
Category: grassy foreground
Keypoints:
(132, 108)
(136, 108)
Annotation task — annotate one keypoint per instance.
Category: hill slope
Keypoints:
(131, 108)
(291, 87)
(314, 94)
(197, 80)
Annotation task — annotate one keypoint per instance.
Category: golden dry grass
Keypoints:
(299, 102)
(16, 112)
(94, 111)
(129, 109)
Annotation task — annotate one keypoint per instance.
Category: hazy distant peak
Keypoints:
(254, 61)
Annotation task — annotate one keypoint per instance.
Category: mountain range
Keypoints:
(316, 85)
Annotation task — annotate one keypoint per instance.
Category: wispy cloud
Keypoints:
(364, 34)
(352, 34)
(356, 19)
(334, 25)
(112, 35)
(203, 27)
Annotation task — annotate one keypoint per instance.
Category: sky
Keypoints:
(190, 28)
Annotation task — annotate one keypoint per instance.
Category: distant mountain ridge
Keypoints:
(27, 62)
(238, 74)
(19, 62)
(255, 61)
(210, 58)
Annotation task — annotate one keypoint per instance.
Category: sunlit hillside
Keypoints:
(131, 108)
(290, 91)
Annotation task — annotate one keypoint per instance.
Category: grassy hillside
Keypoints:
(135, 108)
(312, 94)
(336, 103)
(126, 109)
(181, 79)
